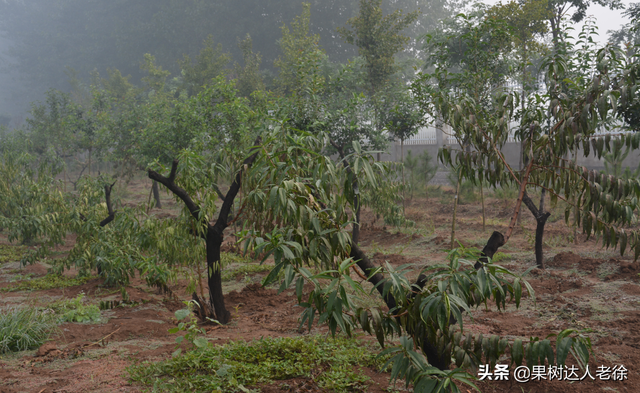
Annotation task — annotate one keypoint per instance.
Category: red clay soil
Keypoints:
(93, 357)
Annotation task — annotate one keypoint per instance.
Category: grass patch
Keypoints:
(228, 258)
(24, 328)
(231, 367)
(49, 281)
(606, 269)
(500, 257)
(230, 273)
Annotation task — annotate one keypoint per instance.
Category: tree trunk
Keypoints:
(484, 227)
(440, 359)
(455, 210)
(402, 161)
(216, 297)
(156, 194)
(541, 219)
(212, 234)
(109, 218)
(355, 233)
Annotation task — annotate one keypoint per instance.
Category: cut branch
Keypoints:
(112, 213)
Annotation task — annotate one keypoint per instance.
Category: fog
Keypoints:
(41, 40)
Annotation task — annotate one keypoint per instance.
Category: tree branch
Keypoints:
(112, 213)
(180, 192)
(220, 194)
(223, 216)
(537, 213)
(368, 268)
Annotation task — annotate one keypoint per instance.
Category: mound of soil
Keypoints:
(568, 260)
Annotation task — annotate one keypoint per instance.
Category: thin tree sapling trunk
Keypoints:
(484, 228)
(455, 210)
(402, 161)
(156, 194)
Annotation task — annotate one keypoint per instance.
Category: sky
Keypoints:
(606, 19)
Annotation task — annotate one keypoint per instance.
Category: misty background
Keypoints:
(45, 42)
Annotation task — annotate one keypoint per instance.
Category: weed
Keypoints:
(507, 194)
(559, 240)
(500, 256)
(21, 277)
(233, 366)
(435, 191)
(24, 328)
(231, 273)
(606, 269)
(228, 258)
(74, 310)
(10, 253)
(467, 193)
(49, 281)
(375, 248)
(193, 332)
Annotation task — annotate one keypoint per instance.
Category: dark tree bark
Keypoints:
(213, 235)
(112, 213)
(110, 217)
(156, 194)
(541, 219)
(439, 358)
(495, 241)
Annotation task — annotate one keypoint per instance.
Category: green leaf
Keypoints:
(182, 314)
(563, 345)
(200, 342)
(517, 352)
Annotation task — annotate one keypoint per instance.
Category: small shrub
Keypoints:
(193, 333)
(24, 328)
(74, 310)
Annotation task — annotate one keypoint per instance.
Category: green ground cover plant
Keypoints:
(49, 281)
(24, 328)
(75, 310)
(244, 270)
(234, 366)
(10, 253)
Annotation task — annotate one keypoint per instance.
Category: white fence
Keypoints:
(427, 136)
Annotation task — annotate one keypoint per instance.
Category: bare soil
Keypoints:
(582, 287)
